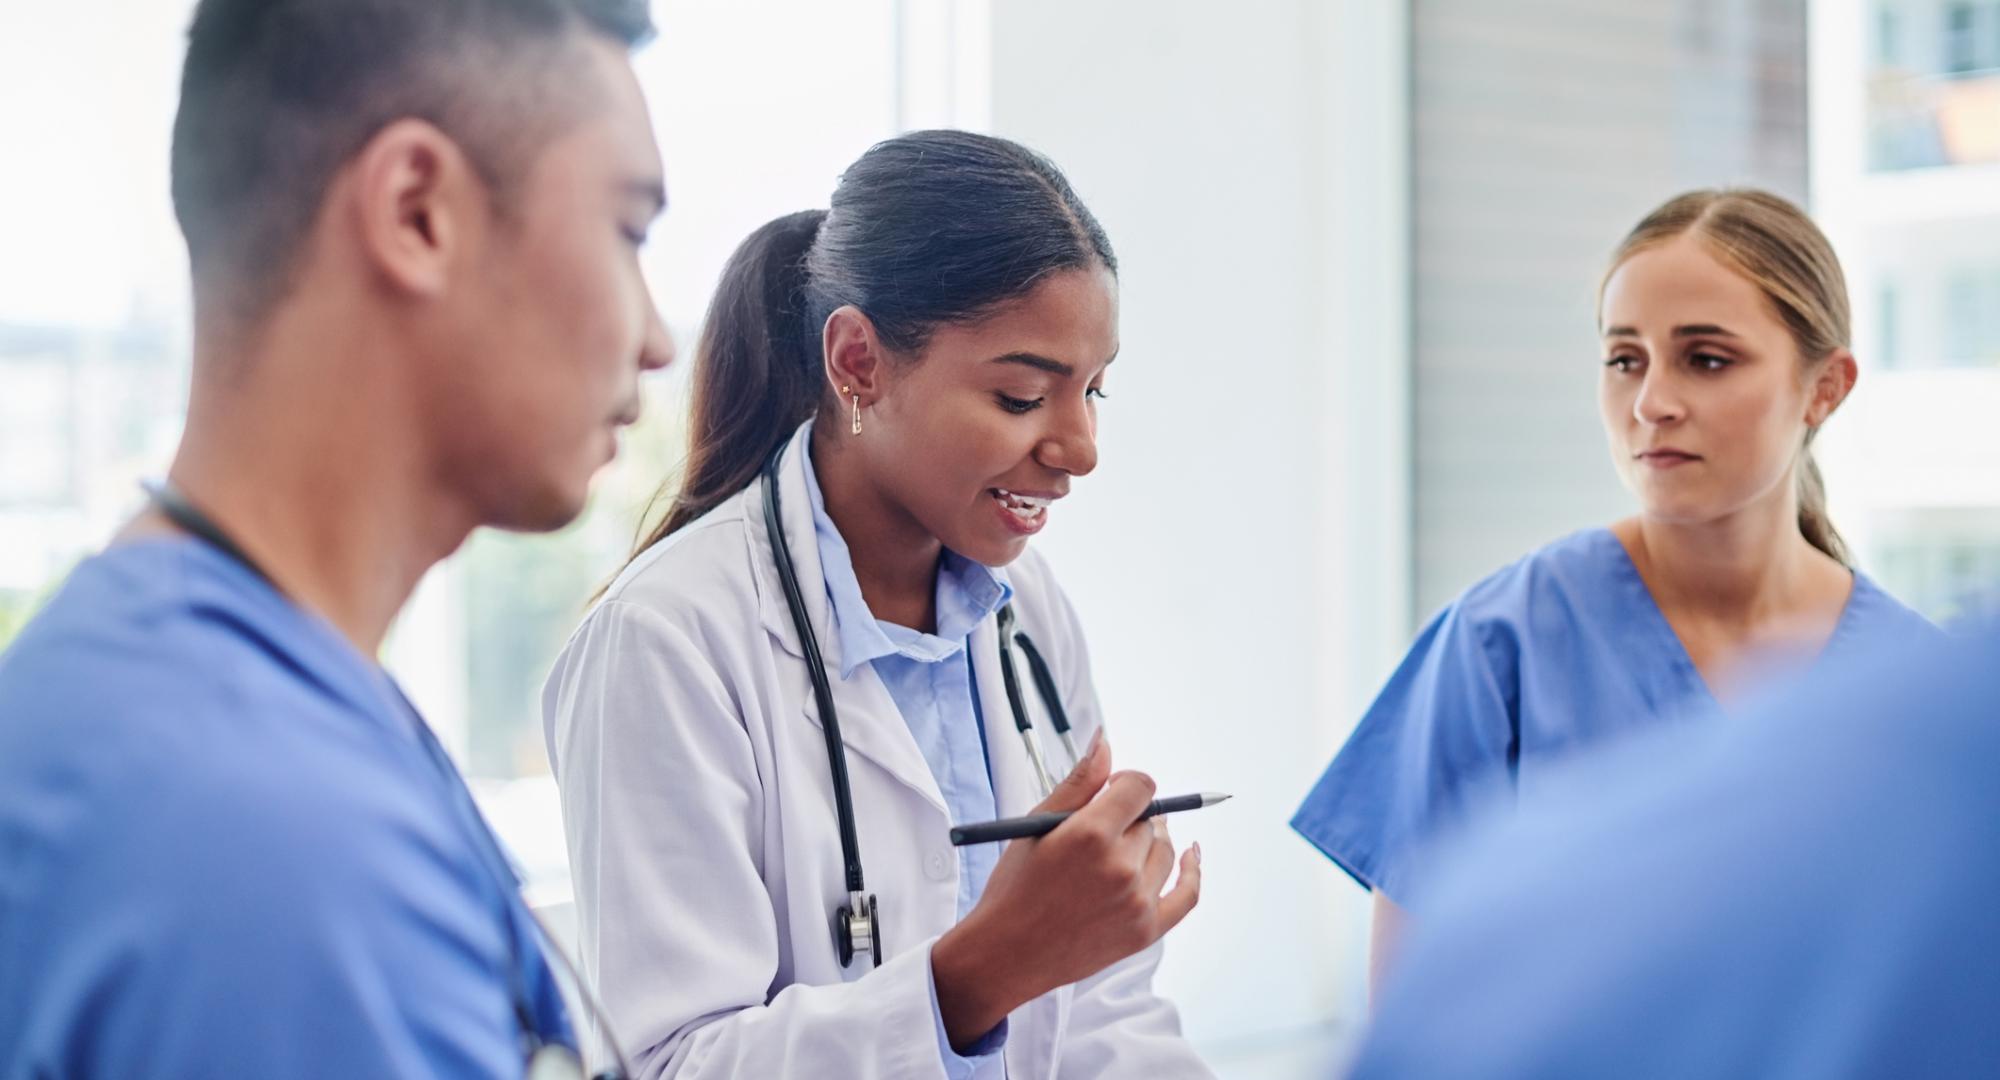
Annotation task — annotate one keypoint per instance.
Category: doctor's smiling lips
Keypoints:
(1023, 512)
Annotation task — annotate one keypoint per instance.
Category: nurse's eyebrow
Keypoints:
(1688, 331)
(1039, 363)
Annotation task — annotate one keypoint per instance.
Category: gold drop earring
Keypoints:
(856, 426)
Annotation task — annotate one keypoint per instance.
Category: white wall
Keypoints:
(1240, 556)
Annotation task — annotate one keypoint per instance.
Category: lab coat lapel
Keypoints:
(1037, 1025)
(873, 728)
(1016, 787)
(870, 724)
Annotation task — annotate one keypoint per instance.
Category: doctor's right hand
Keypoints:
(1062, 907)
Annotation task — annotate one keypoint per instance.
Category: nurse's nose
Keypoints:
(1659, 400)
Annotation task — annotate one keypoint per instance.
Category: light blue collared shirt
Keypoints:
(929, 677)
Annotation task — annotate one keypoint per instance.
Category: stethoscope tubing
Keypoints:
(860, 915)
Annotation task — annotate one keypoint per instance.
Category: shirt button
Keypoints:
(938, 866)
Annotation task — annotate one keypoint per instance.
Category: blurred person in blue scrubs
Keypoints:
(1725, 336)
(228, 845)
(1805, 894)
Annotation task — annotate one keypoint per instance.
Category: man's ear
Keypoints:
(856, 360)
(415, 199)
(1831, 386)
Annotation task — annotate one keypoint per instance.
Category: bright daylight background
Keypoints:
(1360, 241)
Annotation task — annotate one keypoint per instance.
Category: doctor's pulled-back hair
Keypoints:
(926, 229)
(1776, 247)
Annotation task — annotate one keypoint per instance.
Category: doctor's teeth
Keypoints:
(1020, 503)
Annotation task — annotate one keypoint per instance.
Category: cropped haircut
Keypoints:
(278, 95)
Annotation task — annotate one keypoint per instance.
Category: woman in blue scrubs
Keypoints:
(1725, 337)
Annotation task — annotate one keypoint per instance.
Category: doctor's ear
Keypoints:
(856, 359)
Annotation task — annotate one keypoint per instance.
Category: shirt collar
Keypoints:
(967, 592)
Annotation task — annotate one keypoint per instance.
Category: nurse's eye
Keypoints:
(1710, 362)
(1098, 393)
(1623, 364)
(1017, 406)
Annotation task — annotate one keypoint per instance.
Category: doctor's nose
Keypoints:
(1072, 448)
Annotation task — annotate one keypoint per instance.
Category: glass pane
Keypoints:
(1934, 86)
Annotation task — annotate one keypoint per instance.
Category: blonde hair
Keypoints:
(1775, 246)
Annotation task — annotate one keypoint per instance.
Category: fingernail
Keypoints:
(1197, 852)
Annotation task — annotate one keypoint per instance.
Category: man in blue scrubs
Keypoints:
(1806, 892)
(228, 847)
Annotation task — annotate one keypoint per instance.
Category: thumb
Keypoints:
(1082, 784)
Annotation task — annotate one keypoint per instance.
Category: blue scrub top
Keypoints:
(227, 850)
(1559, 650)
(1808, 893)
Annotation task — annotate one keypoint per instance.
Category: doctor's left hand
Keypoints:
(1062, 907)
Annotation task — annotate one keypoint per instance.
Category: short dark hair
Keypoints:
(277, 95)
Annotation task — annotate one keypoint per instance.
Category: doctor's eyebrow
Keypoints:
(1043, 363)
(1688, 331)
(1038, 362)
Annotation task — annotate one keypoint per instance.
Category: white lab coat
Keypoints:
(704, 846)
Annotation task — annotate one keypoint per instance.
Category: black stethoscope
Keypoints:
(545, 1058)
(857, 926)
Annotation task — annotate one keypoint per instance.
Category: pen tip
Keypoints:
(1210, 798)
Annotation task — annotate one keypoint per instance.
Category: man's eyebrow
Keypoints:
(653, 191)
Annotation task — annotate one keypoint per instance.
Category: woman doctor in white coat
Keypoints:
(918, 370)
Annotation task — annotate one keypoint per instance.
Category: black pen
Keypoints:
(1016, 828)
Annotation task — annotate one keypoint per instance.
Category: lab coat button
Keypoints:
(938, 866)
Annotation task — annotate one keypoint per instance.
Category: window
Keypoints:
(1912, 199)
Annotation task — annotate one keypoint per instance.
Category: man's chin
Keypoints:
(546, 512)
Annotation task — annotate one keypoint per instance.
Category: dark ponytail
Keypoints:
(755, 375)
(928, 228)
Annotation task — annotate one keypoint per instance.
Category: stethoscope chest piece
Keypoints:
(857, 929)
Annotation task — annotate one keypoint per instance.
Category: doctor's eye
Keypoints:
(1017, 406)
(1710, 362)
(1623, 364)
(1098, 393)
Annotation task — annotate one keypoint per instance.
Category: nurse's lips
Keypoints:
(1666, 457)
